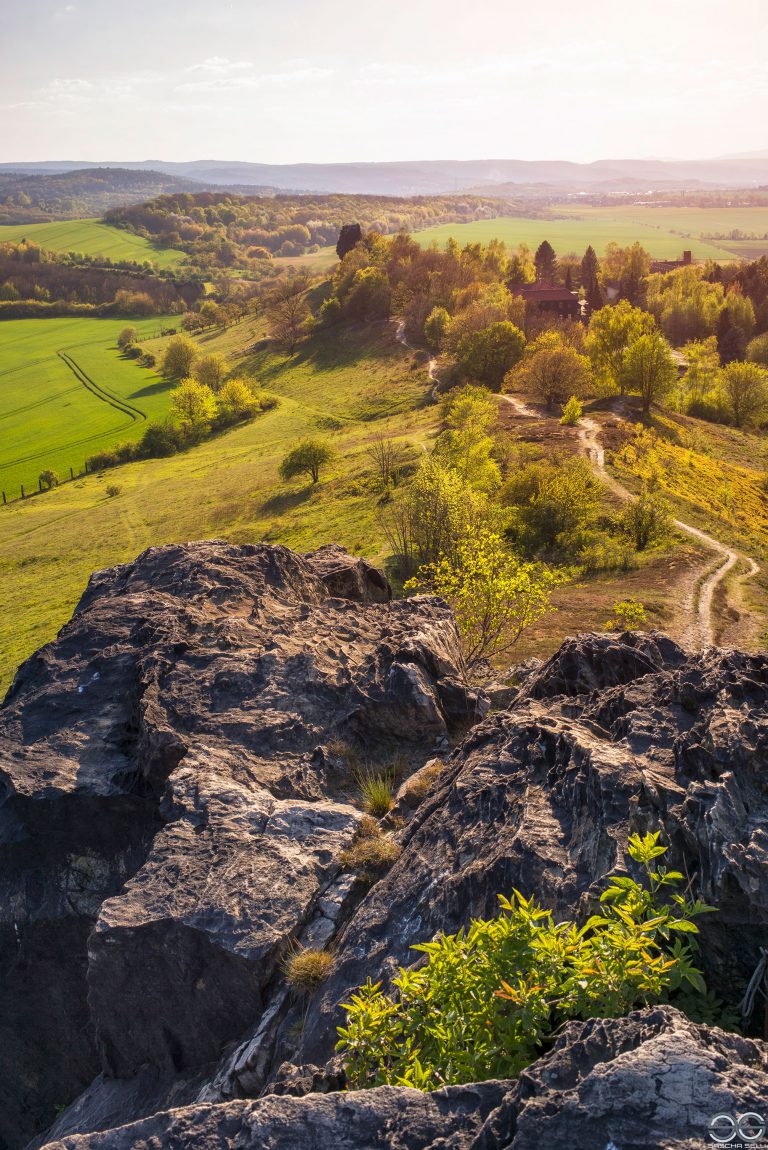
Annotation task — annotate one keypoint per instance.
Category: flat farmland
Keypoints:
(739, 231)
(66, 392)
(576, 230)
(90, 238)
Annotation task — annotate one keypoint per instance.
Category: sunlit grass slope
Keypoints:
(57, 409)
(90, 238)
(346, 385)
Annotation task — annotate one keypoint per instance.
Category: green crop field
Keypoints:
(718, 226)
(597, 227)
(347, 385)
(90, 238)
(66, 392)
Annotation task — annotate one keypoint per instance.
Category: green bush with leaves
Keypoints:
(572, 412)
(494, 595)
(488, 999)
(627, 615)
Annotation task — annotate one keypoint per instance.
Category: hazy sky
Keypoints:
(290, 80)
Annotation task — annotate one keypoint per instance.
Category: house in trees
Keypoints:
(550, 298)
(672, 265)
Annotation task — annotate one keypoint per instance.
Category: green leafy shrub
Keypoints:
(48, 479)
(572, 412)
(646, 520)
(488, 998)
(628, 615)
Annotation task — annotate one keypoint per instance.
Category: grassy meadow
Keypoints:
(664, 232)
(598, 227)
(50, 417)
(348, 385)
(90, 238)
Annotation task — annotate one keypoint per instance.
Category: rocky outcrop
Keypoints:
(651, 1081)
(172, 817)
(541, 798)
(177, 796)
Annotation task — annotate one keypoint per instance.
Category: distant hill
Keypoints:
(438, 177)
(37, 197)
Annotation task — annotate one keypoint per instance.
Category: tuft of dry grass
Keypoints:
(370, 853)
(376, 790)
(424, 781)
(307, 969)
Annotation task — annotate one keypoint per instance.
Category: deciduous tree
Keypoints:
(193, 407)
(611, 331)
(746, 389)
(287, 312)
(648, 369)
(211, 370)
(307, 458)
(552, 371)
(178, 357)
(488, 355)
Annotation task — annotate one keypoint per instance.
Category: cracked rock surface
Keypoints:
(176, 793)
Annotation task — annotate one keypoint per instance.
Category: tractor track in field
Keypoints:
(100, 392)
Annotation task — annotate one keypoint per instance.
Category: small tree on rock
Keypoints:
(494, 596)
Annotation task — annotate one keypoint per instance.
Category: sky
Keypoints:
(283, 81)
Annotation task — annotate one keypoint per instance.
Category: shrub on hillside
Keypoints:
(646, 519)
(49, 479)
(627, 615)
(178, 357)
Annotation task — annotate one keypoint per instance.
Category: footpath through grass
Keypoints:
(90, 238)
(66, 391)
(347, 385)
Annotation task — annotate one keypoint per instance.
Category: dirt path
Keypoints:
(700, 632)
(700, 593)
(431, 366)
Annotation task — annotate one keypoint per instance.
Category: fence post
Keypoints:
(71, 473)
(22, 491)
(86, 467)
(4, 499)
(39, 485)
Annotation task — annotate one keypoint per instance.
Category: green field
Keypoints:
(66, 392)
(347, 385)
(707, 225)
(597, 227)
(90, 238)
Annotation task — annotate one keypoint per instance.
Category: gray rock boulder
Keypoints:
(168, 825)
(651, 1081)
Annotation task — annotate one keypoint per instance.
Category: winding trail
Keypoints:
(700, 631)
(431, 366)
